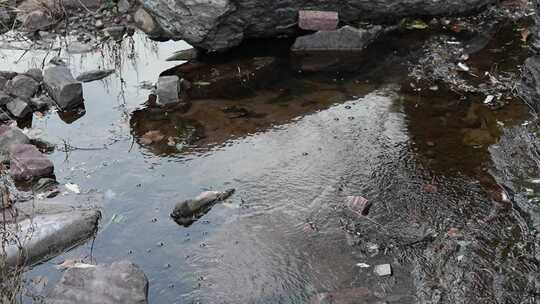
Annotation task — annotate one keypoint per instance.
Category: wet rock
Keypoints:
(185, 55)
(120, 282)
(7, 17)
(383, 270)
(19, 108)
(346, 38)
(35, 74)
(37, 20)
(146, 23)
(220, 25)
(55, 5)
(8, 74)
(44, 185)
(3, 82)
(168, 90)
(62, 87)
(115, 32)
(22, 86)
(27, 163)
(94, 75)
(188, 211)
(42, 102)
(4, 117)
(123, 6)
(530, 83)
(318, 20)
(10, 136)
(234, 79)
(51, 234)
(5, 98)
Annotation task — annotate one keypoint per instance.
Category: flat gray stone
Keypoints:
(346, 38)
(120, 282)
(27, 163)
(19, 108)
(168, 90)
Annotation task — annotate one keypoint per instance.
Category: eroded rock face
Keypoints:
(217, 25)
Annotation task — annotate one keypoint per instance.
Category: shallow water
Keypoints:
(312, 140)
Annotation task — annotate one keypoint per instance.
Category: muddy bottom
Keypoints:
(294, 151)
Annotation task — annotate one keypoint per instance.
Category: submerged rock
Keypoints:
(62, 87)
(346, 38)
(220, 25)
(94, 75)
(168, 90)
(120, 282)
(234, 79)
(188, 211)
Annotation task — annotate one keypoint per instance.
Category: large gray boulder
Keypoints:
(45, 236)
(42, 229)
(120, 282)
(62, 87)
(217, 25)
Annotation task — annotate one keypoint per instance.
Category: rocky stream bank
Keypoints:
(387, 158)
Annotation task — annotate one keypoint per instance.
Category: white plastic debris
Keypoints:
(363, 265)
(73, 188)
(489, 99)
(462, 66)
(383, 270)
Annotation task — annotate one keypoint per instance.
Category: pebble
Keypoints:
(383, 270)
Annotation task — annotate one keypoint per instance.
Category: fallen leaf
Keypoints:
(152, 137)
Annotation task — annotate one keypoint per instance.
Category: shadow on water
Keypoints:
(296, 135)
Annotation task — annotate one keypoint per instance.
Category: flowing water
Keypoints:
(309, 141)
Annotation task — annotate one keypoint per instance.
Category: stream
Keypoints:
(308, 141)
